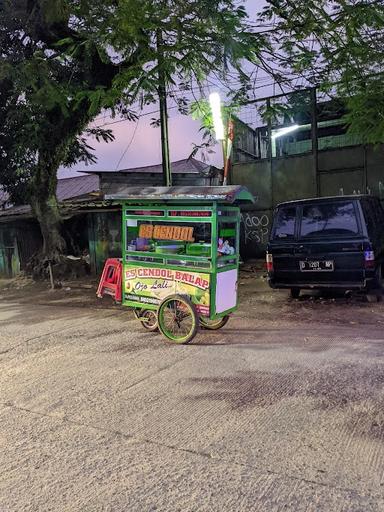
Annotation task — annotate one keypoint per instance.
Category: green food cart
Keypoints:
(180, 256)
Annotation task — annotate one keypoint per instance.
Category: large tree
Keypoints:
(337, 45)
(64, 61)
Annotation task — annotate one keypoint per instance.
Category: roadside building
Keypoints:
(185, 172)
(91, 224)
(304, 151)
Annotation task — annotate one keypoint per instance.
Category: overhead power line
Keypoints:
(174, 90)
(128, 145)
(138, 117)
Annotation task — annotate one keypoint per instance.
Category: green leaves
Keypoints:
(67, 41)
(67, 60)
(274, 112)
(96, 101)
(336, 45)
(365, 115)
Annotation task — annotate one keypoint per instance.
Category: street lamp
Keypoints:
(225, 135)
(218, 125)
(284, 131)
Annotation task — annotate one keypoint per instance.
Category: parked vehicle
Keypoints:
(332, 242)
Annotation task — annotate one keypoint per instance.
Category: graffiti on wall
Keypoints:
(256, 227)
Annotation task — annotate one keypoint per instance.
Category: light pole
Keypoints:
(223, 134)
(166, 162)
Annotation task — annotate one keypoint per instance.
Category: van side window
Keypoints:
(329, 219)
(284, 225)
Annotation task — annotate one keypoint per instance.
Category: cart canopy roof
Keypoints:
(222, 194)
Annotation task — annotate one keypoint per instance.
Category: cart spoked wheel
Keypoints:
(213, 325)
(178, 320)
(148, 318)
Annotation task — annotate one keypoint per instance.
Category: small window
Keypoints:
(370, 216)
(377, 211)
(284, 225)
(329, 219)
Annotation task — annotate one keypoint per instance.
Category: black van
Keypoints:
(330, 242)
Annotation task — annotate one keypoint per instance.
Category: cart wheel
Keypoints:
(178, 320)
(148, 319)
(213, 325)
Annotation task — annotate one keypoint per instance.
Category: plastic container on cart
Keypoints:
(142, 244)
(172, 248)
(199, 249)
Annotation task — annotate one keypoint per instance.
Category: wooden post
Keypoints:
(269, 149)
(51, 276)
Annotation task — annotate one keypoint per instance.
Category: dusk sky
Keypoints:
(141, 142)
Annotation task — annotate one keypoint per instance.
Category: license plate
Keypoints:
(315, 266)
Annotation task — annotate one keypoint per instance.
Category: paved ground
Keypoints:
(282, 410)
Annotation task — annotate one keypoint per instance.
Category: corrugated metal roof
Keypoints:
(187, 166)
(227, 194)
(16, 211)
(69, 188)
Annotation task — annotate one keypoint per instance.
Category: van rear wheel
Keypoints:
(376, 295)
(372, 297)
(295, 293)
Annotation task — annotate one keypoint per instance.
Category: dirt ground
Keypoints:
(281, 410)
(254, 294)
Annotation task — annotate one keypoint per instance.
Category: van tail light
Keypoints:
(269, 259)
(369, 259)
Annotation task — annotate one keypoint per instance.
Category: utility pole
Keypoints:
(314, 137)
(167, 173)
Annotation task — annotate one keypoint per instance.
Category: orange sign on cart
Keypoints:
(182, 233)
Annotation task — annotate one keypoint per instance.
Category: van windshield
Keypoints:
(329, 219)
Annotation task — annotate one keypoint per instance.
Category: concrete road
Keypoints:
(97, 415)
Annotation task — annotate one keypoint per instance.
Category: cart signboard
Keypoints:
(147, 285)
(177, 233)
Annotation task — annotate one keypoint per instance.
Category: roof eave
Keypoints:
(229, 195)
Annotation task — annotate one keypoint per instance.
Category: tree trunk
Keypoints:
(47, 213)
(62, 131)
(45, 206)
